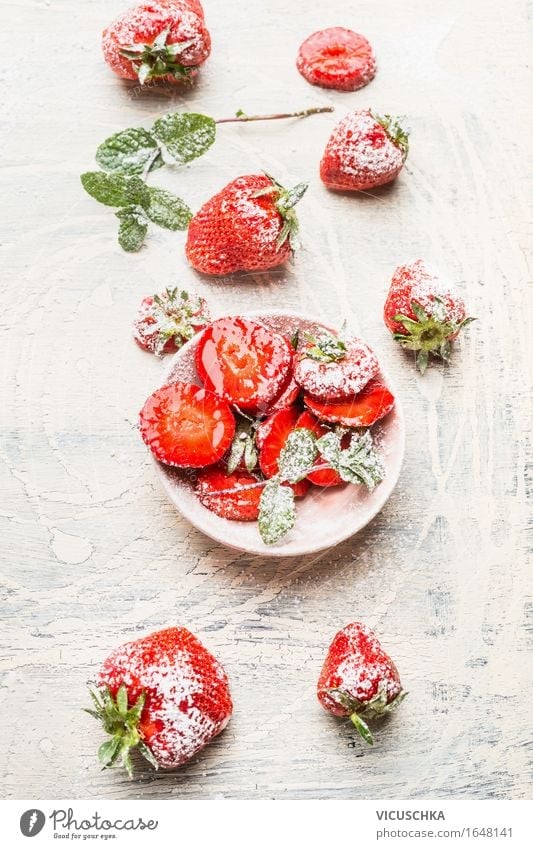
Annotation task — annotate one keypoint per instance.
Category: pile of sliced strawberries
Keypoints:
(273, 417)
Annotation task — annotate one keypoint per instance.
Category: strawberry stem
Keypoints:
(241, 118)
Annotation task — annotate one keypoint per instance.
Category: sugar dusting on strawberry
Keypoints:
(364, 151)
(358, 678)
(332, 368)
(424, 312)
(165, 695)
(166, 321)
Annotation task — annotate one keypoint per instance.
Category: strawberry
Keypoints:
(272, 436)
(358, 678)
(164, 695)
(362, 410)
(250, 225)
(244, 362)
(330, 369)
(165, 322)
(337, 58)
(214, 489)
(364, 151)
(325, 475)
(165, 40)
(287, 398)
(187, 426)
(423, 312)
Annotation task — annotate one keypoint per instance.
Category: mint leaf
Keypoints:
(359, 463)
(130, 152)
(297, 455)
(186, 135)
(132, 229)
(167, 210)
(276, 511)
(114, 189)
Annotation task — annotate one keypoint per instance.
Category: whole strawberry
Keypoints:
(165, 40)
(423, 312)
(364, 151)
(166, 321)
(164, 695)
(250, 225)
(359, 679)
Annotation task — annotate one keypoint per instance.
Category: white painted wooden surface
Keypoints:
(94, 555)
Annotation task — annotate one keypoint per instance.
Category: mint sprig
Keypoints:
(359, 463)
(138, 204)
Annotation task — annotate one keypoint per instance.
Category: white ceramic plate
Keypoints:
(325, 517)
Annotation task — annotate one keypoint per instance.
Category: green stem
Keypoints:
(362, 728)
(302, 113)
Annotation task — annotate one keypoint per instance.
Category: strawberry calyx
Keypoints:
(178, 317)
(325, 348)
(375, 708)
(285, 200)
(428, 333)
(158, 59)
(121, 722)
(398, 134)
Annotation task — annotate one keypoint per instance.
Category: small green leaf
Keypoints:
(134, 713)
(114, 189)
(297, 455)
(122, 700)
(130, 152)
(186, 135)
(276, 511)
(359, 463)
(167, 210)
(108, 752)
(422, 361)
(250, 454)
(291, 197)
(144, 72)
(237, 451)
(419, 311)
(133, 228)
(126, 760)
(147, 754)
(295, 339)
(362, 728)
(161, 39)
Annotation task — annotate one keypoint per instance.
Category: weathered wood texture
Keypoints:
(94, 555)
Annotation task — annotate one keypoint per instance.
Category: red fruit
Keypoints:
(424, 312)
(165, 695)
(244, 362)
(358, 678)
(363, 410)
(337, 58)
(273, 434)
(331, 369)
(287, 398)
(144, 42)
(165, 322)
(250, 225)
(322, 476)
(364, 151)
(241, 505)
(187, 426)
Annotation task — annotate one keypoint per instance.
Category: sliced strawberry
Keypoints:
(322, 476)
(334, 369)
(272, 438)
(365, 408)
(241, 505)
(337, 58)
(244, 362)
(287, 397)
(187, 426)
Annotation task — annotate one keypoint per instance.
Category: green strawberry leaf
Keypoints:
(167, 210)
(359, 463)
(132, 229)
(122, 700)
(186, 135)
(362, 728)
(115, 189)
(147, 754)
(130, 152)
(108, 752)
(297, 455)
(276, 511)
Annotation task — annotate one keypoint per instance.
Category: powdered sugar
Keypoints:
(435, 294)
(340, 379)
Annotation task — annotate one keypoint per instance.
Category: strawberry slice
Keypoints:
(334, 369)
(287, 397)
(241, 505)
(187, 426)
(365, 408)
(337, 58)
(320, 477)
(273, 434)
(244, 362)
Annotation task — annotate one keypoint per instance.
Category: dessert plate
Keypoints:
(325, 517)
